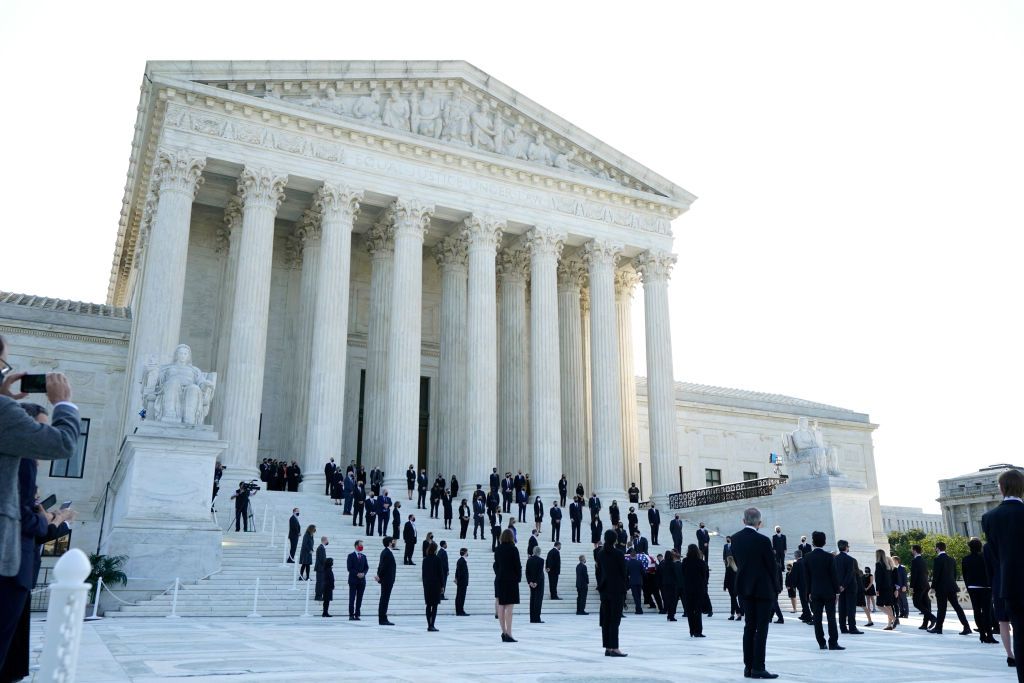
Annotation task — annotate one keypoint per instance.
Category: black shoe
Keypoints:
(554, 598)
(762, 674)
(431, 628)
(746, 672)
(351, 618)
(538, 621)
(843, 630)
(385, 623)
(924, 626)
(731, 618)
(822, 646)
(966, 632)
(836, 646)
(779, 621)
(1010, 661)
(291, 561)
(856, 633)
(697, 635)
(672, 619)
(326, 615)
(609, 653)
(935, 630)
(461, 614)
(583, 614)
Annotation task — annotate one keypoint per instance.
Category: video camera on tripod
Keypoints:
(250, 487)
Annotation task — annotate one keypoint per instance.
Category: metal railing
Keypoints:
(741, 490)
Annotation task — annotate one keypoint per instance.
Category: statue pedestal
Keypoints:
(159, 506)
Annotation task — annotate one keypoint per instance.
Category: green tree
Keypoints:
(900, 542)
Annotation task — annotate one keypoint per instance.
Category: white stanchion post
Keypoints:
(96, 600)
(273, 531)
(255, 599)
(306, 612)
(263, 529)
(174, 600)
(295, 576)
(68, 598)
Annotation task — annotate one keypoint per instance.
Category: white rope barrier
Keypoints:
(255, 599)
(295, 576)
(306, 612)
(174, 600)
(96, 602)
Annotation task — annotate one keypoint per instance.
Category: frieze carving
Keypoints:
(320, 148)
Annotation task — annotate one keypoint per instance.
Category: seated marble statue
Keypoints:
(178, 392)
(805, 446)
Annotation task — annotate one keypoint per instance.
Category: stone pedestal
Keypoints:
(159, 506)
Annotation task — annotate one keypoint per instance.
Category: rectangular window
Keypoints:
(57, 547)
(73, 467)
(713, 477)
(749, 476)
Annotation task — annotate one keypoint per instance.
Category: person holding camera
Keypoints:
(23, 437)
(241, 498)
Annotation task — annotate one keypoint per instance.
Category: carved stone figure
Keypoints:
(564, 161)
(328, 100)
(396, 111)
(515, 142)
(538, 151)
(426, 115)
(805, 446)
(367, 107)
(456, 121)
(178, 392)
(482, 132)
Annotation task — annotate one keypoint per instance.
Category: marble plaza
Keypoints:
(564, 649)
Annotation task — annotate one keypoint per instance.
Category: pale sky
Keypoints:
(859, 167)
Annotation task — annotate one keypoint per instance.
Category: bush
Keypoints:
(900, 542)
(108, 568)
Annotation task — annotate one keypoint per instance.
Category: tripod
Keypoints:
(248, 514)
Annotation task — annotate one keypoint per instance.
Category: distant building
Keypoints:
(966, 498)
(898, 518)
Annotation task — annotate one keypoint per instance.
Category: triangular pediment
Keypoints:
(447, 103)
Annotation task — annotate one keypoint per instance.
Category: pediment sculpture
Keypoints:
(177, 392)
(805, 449)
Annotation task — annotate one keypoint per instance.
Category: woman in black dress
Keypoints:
(695, 588)
(306, 553)
(869, 594)
(735, 613)
(508, 572)
(453, 486)
(328, 585)
(579, 489)
(433, 583)
(884, 587)
(596, 531)
(611, 585)
(861, 582)
(538, 513)
(613, 512)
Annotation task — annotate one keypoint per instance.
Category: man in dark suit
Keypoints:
(294, 531)
(594, 504)
(582, 585)
(901, 609)
(757, 582)
(385, 576)
(779, 546)
(383, 511)
(553, 567)
(575, 518)
(535, 579)
(556, 522)
(920, 585)
(1004, 529)
(409, 536)
(521, 502)
(846, 572)
(654, 520)
(359, 504)
(675, 528)
(506, 493)
(494, 480)
(804, 547)
(421, 490)
(727, 549)
(318, 567)
(348, 489)
(797, 579)
(478, 519)
(357, 569)
(329, 475)
(396, 519)
(410, 480)
(703, 540)
(944, 585)
(442, 555)
(635, 574)
(824, 581)
(461, 582)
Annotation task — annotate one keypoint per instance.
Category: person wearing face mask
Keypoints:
(294, 531)
(703, 541)
(357, 569)
(385, 576)
(318, 568)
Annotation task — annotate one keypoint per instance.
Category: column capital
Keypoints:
(600, 253)
(482, 231)
(655, 265)
(450, 252)
(338, 201)
(572, 273)
(513, 265)
(232, 222)
(380, 239)
(412, 216)
(179, 170)
(544, 241)
(261, 187)
(626, 278)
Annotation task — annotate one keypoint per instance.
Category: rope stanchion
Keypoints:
(96, 603)
(255, 599)
(174, 601)
(273, 531)
(295, 576)
(306, 612)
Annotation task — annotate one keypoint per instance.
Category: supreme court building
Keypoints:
(402, 263)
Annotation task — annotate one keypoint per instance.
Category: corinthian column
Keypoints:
(157, 326)
(308, 255)
(604, 368)
(450, 254)
(588, 404)
(655, 268)
(230, 236)
(411, 219)
(381, 245)
(570, 345)
(338, 206)
(513, 413)
(545, 386)
(261, 191)
(482, 234)
(625, 280)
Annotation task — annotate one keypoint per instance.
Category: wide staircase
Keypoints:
(260, 555)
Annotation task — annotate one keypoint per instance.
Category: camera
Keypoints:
(33, 384)
(250, 487)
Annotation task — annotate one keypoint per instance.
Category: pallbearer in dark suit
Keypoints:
(824, 579)
(654, 520)
(461, 582)
(442, 555)
(329, 476)
(1004, 528)
(944, 585)
(318, 567)
(846, 572)
(396, 519)
(757, 582)
(357, 570)
(385, 576)
(675, 529)
(582, 584)
(535, 579)
(553, 567)
(919, 584)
